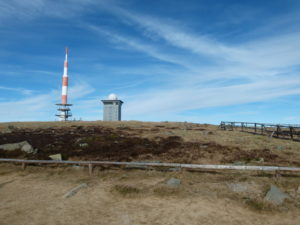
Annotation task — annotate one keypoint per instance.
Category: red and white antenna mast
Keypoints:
(65, 111)
(64, 92)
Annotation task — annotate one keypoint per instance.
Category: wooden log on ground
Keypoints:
(155, 164)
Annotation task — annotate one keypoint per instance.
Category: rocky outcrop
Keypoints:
(23, 146)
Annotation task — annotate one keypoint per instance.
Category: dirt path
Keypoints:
(35, 196)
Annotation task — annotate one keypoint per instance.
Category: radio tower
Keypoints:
(64, 112)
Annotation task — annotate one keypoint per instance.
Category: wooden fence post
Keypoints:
(90, 169)
(223, 126)
(291, 133)
(232, 125)
(23, 166)
(277, 130)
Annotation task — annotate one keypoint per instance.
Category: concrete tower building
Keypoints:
(112, 108)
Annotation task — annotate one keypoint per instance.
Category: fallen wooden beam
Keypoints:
(90, 164)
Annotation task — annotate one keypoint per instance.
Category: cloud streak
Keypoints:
(20, 90)
(266, 66)
(206, 70)
(195, 97)
(40, 106)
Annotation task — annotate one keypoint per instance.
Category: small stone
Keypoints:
(275, 195)
(75, 190)
(173, 182)
(175, 169)
(280, 148)
(78, 140)
(11, 127)
(298, 190)
(83, 145)
(260, 160)
(238, 187)
(56, 157)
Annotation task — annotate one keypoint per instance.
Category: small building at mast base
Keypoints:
(64, 111)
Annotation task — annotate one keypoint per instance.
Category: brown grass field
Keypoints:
(132, 196)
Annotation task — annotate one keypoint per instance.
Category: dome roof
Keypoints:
(112, 97)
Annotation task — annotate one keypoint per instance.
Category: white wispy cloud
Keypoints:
(250, 71)
(80, 89)
(28, 109)
(40, 106)
(196, 97)
(276, 51)
(20, 90)
(173, 34)
(26, 10)
(139, 46)
(266, 64)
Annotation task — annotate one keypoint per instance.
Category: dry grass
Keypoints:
(287, 150)
(165, 191)
(139, 197)
(34, 196)
(126, 190)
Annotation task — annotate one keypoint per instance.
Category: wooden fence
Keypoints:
(284, 131)
(91, 164)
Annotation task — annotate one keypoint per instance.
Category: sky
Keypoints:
(202, 61)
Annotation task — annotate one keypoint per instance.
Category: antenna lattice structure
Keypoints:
(64, 111)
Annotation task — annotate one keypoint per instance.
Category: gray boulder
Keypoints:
(28, 148)
(23, 146)
(6, 131)
(275, 195)
(173, 182)
(56, 157)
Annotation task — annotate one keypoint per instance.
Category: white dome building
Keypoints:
(112, 97)
(112, 108)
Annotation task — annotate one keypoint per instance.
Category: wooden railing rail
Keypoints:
(91, 164)
(284, 131)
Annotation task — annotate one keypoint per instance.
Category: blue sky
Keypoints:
(182, 60)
